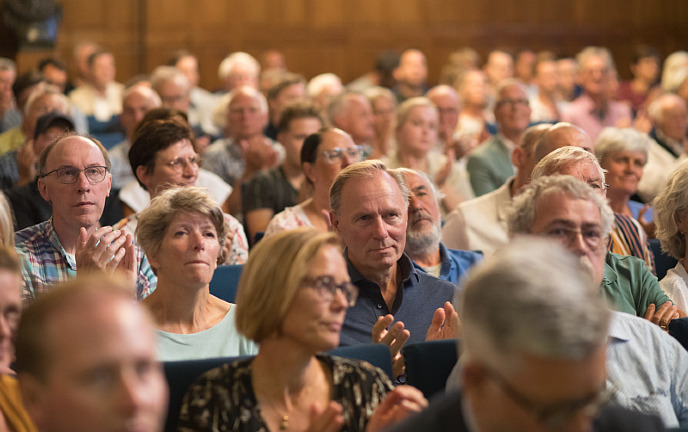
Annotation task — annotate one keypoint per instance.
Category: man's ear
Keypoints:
(33, 398)
(334, 221)
(43, 189)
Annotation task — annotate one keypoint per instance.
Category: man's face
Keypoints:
(500, 66)
(245, 116)
(497, 398)
(188, 65)
(103, 70)
(55, 76)
(674, 120)
(566, 70)
(79, 204)
(372, 222)
(414, 68)
(383, 115)
(103, 374)
(594, 76)
(292, 139)
(577, 224)
(6, 80)
(134, 107)
(448, 106)
(358, 120)
(512, 111)
(10, 309)
(424, 219)
(547, 76)
(173, 95)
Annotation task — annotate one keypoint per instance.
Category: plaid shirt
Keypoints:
(45, 262)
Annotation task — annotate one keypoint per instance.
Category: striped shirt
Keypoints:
(46, 263)
(629, 238)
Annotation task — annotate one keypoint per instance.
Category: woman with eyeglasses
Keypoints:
(183, 232)
(162, 156)
(293, 296)
(323, 155)
(417, 148)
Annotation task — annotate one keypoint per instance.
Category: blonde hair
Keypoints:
(270, 279)
(6, 222)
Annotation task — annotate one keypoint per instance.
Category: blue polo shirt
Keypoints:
(418, 296)
(455, 263)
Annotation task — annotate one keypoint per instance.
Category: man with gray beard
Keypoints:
(424, 232)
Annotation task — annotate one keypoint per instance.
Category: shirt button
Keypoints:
(379, 306)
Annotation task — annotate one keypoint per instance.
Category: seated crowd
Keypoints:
(513, 209)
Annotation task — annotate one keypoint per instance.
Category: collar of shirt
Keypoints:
(617, 332)
(408, 270)
(675, 145)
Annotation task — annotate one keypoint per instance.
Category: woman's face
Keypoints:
(418, 133)
(188, 252)
(177, 165)
(624, 170)
(312, 321)
(323, 171)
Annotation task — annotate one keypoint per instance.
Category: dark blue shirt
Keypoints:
(455, 263)
(418, 296)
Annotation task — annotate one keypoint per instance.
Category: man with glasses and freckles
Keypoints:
(539, 363)
(74, 176)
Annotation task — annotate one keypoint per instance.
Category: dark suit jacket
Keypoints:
(445, 414)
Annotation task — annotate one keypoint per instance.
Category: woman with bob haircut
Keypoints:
(183, 233)
(294, 292)
(671, 219)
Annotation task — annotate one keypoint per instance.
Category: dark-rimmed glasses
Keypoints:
(69, 175)
(326, 288)
(554, 415)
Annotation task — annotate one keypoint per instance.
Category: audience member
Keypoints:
(671, 208)
(458, 63)
(382, 76)
(291, 383)
(489, 166)
(545, 104)
(480, 223)
(352, 113)
(80, 55)
(524, 68)
(136, 102)
(322, 89)
(594, 110)
(369, 211)
(323, 155)
(86, 360)
(6, 228)
(384, 105)
(499, 67)
(411, 75)
(645, 69)
(27, 203)
(73, 175)
(184, 235)
(288, 89)
(13, 416)
(163, 157)
(237, 70)
(424, 231)
(567, 87)
(525, 370)
(474, 116)
(271, 191)
(673, 71)
(55, 73)
(448, 106)
(9, 115)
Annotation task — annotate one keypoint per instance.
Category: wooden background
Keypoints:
(344, 36)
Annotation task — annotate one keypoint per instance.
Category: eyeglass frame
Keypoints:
(179, 164)
(326, 288)
(79, 171)
(572, 234)
(341, 152)
(553, 415)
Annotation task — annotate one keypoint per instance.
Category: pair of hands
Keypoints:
(107, 250)
(445, 325)
(399, 403)
(259, 154)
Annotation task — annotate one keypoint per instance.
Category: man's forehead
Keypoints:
(416, 182)
(72, 149)
(557, 206)
(361, 191)
(584, 170)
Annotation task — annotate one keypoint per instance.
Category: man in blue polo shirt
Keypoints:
(369, 212)
(424, 232)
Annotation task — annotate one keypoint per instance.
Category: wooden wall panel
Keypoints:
(344, 36)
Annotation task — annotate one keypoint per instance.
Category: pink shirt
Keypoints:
(581, 113)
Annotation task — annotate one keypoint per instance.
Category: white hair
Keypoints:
(231, 61)
(319, 82)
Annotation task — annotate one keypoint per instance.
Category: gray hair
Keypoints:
(220, 112)
(144, 91)
(436, 193)
(47, 90)
(593, 51)
(671, 206)
(672, 75)
(6, 222)
(509, 82)
(656, 109)
(563, 157)
(538, 314)
(364, 169)
(613, 140)
(522, 212)
(340, 104)
(319, 82)
(231, 61)
(169, 73)
(374, 93)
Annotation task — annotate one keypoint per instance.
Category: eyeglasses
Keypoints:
(599, 186)
(591, 236)
(353, 154)
(513, 102)
(69, 175)
(180, 164)
(555, 415)
(327, 289)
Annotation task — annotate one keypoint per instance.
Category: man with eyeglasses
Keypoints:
(539, 363)
(351, 112)
(489, 166)
(629, 282)
(273, 190)
(74, 176)
(647, 368)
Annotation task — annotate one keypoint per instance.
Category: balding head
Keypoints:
(523, 156)
(561, 135)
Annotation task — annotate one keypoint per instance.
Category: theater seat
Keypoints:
(428, 364)
(678, 328)
(375, 354)
(225, 282)
(663, 262)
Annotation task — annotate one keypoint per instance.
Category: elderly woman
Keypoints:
(416, 134)
(294, 293)
(183, 233)
(671, 210)
(623, 153)
(323, 155)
